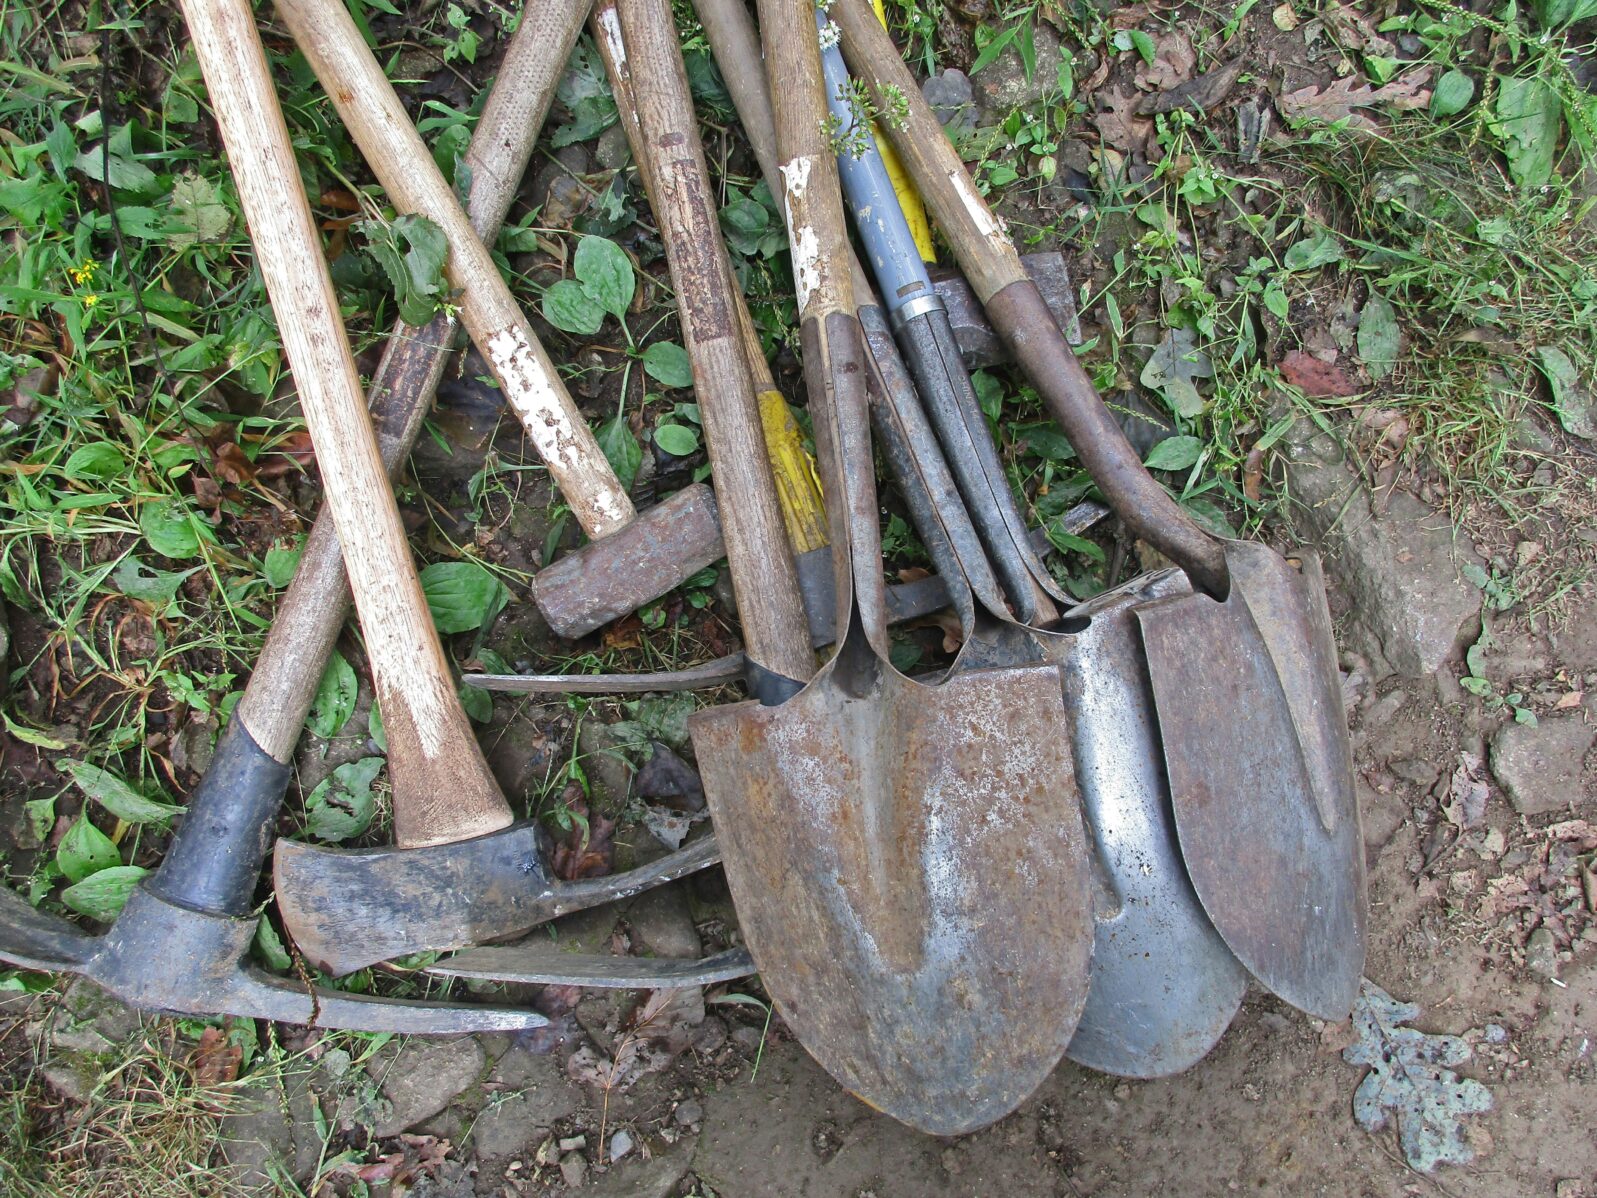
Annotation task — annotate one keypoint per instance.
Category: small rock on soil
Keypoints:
(1541, 765)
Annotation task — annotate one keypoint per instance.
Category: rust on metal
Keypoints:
(1255, 745)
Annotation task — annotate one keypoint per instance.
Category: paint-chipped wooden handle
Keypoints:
(283, 684)
(400, 160)
(797, 484)
(977, 235)
(763, 575)
(428, 736)
(817, 229)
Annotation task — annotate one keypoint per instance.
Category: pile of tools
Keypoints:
(1081, 839)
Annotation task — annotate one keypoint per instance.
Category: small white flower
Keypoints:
(829, 35)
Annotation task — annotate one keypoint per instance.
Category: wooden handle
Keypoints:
(430, 743)
(283, 684)
(763, 575)
(979, 239)
(797, 485)
(398, 157)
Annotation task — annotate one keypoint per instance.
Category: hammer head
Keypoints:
(160, 956)
(349, 908)
(606, 579)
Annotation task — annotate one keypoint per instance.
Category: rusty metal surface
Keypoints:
(347, 909)
(979, 345)
(907, 861)
(908, 868)
(1164, 985)
(1269, 831)
(540, 963)
(610, 578)
(165, 958)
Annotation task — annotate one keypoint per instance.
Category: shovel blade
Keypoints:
(909, 869)
(1256, 748)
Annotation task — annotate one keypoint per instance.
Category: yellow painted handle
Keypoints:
(908, 198)
(798, 487)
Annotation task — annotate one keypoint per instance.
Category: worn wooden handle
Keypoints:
(283, 684)
(983, 246)
(798, 486)
(763, 575)
(429, 739)
(397, 156)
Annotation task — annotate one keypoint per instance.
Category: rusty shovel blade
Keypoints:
(909, 868)
(1261, 774)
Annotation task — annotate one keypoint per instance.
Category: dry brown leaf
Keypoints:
(214, 1061)
(1173, 63)
(1336, 101)
(1118, 124)
(1568, 700)
(1353, 30)
(1317, 379)
(1253, 474)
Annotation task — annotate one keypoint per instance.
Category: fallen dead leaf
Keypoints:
(1336, 101)
(1253, 474)
(1284, 18)
(1571, 699)
(1316, 379)
(214, 1061)
(1465, 805)
(1118, 123)
(1173, 62)
(1353, 30)
(1205, 93)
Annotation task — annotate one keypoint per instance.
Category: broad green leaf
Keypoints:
(678, 440)
(102, 895)
(280, 563)
(1378, 338)
(1527, 117)
(621, 449)
(269, 945)
(375, 729)
(1174, 453)
(1572, 399)
(99, 461)
(412, 250)
(335, 698)
(1381, 68)
(1172, 368)
(1046, 440)
(567, 306)
(1069, 542)
(1320, 248)
(1453, 92)
(342, 806)
(120, 169)
(477, 703)
(1144, 46)
(117, 796)
(1275, 299)
(667, 363)
(195, 204)
(39, 815)
(462, 596)
(994, 48)
(168, 525)
(85, 850)
(605, 272)
(156, 587)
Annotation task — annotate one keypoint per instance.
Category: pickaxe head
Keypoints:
(181, 945)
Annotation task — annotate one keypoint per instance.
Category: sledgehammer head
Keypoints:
(606, 579)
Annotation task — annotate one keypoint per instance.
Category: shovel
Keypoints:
(1163, 985)
(1243, 669)
(911, 885)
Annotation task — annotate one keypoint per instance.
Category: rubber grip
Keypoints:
(215, 858)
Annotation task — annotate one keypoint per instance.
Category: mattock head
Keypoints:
(164, 957)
